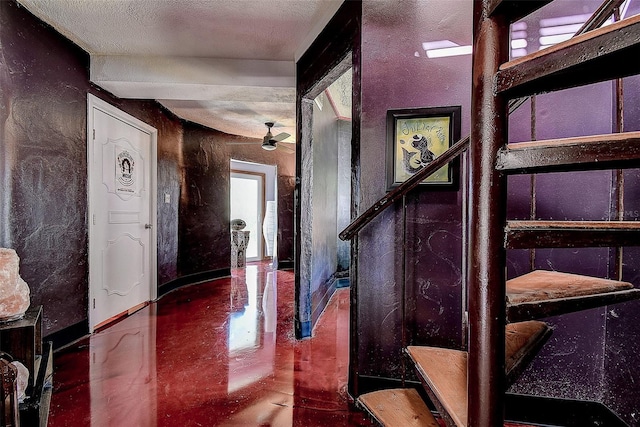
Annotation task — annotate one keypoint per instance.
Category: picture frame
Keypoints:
(415, 137)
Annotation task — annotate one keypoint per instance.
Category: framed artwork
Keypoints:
(415, 137)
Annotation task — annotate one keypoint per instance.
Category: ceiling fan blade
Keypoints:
(279, 137)
(242, 143)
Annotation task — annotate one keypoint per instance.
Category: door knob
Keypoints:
(147, 226)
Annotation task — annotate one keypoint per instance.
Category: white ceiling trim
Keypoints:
(203, 71)
(225, 64)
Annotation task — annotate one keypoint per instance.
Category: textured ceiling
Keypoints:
(226, 64)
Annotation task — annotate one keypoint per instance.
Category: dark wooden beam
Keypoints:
(570, 154)
(600, 16)
(571, 234)
(603, 54)
(487, 217)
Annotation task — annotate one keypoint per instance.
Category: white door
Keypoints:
(247, 203)
(122, 238)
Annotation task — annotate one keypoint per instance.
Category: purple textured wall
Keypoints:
(396, 75)
(44, 163)
(286, 164)
(43, 203)
(622, 353)
(204, 203)
(588, 351)
(578, 339)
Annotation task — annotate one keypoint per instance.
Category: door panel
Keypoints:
(127, 253)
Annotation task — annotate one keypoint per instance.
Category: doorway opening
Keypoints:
(253, 198)
(326, 195)
(335, 52)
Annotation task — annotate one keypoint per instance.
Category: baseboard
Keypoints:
(68, 335)
(321, 305)
(302, 329)
(559, 412)
(343, 282)
(285, 265)
(342, 274)
(73, 333)
(192, 279)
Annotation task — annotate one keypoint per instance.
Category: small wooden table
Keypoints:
(22, 339)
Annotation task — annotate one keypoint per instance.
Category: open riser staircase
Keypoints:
(467, 387)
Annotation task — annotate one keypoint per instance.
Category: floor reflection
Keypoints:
(215, 354)
(251, 349)
(131, 351)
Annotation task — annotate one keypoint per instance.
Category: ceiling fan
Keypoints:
(269, 142)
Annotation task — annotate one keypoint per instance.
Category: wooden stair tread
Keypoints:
(611, 151)
(522, 342)
(398, 407)
(543, 285)
(571, 234)
(602, 54)
(444, 374)
(542, 293)
(444, 371)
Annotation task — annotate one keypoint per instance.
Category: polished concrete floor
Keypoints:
(220, 353)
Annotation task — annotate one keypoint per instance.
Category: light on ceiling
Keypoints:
(269, 145)
(518, 43)
(560, 29)
(547, 41)
(444, 48)
(564, 20)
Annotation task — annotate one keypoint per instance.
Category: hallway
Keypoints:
(219, 353)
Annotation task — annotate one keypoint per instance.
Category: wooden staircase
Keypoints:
(467, 387)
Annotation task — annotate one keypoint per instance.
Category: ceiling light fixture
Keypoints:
(269, 145)
(445, 48)
(269, 142)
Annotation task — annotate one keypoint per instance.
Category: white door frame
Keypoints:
(261, 178)
(94, 102)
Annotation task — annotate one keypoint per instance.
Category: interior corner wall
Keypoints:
(205, 232)
(44, 166)
(285, 163)
(44, 82)
(324, 248)
(343, 202)
(331, 54)
(393, 77)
